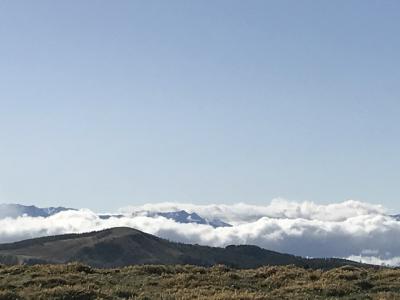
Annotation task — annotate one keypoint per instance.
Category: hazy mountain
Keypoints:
(18, 210)
(108, 216)
(397, 217)
(123, 246)
(183, 216)
(180, 216)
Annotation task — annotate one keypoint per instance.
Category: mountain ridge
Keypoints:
(124, 246)
(12, 210)
(182, 216)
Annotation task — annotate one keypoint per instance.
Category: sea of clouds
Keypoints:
(350, 229)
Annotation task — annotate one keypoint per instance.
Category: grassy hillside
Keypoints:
(118, 247)
(77, 281)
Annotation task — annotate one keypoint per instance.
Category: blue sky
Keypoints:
(105, 104)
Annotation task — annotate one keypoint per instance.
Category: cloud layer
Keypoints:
(352, 229)
(278, 208)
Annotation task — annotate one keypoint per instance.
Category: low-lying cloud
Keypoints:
(351, 229)
(278, 208)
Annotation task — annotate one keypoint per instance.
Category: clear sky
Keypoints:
(109, 103)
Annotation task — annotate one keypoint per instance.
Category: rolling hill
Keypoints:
(122, 246)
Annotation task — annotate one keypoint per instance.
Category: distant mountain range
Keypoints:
(121, 246)
(397, 217)
(184, 217)
(180, 216)
(18, 210)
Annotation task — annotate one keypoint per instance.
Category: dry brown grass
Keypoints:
(77, 281)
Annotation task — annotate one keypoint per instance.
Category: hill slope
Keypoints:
(123, 246)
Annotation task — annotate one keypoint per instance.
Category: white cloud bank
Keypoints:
(278, 208)
(352, 229)
(373, 260)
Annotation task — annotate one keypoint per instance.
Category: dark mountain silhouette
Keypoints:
(123, 246)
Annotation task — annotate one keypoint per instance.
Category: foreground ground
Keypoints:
(76, 281)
